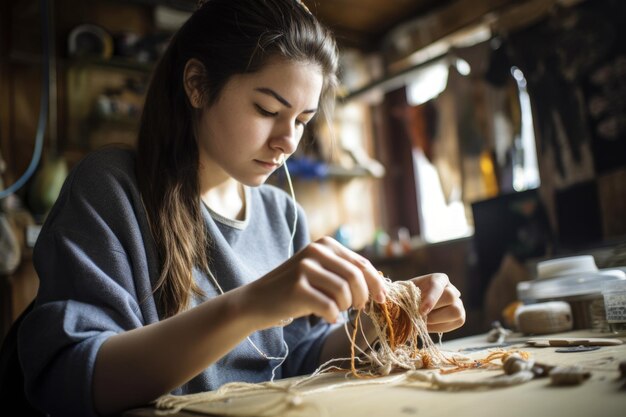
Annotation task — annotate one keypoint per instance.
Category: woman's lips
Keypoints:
(267, 165)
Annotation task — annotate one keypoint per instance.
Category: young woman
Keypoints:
(173, 268)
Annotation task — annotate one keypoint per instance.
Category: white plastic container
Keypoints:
(576, 280)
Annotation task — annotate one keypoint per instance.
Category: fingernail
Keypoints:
(380, 297)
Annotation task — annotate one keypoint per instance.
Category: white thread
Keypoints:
(289, 320)
(295, 207)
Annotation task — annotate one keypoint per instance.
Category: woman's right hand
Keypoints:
(323, 279)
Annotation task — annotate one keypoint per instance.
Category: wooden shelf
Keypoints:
(339, 172)
(114, 63)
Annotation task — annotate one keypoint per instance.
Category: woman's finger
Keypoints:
(450, 313)
(373, 279)
(432, 287)
(450, 295)
(317, 303)
(343, 269)
(327, 282)
(445, 327)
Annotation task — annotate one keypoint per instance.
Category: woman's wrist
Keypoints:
(240, 310)
(245, 308)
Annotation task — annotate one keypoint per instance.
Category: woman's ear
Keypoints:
(193, 76)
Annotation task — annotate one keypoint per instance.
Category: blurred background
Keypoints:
(471, 137)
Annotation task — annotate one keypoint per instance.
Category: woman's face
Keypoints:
(257, 121)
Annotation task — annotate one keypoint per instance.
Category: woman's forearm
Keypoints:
(136, 367)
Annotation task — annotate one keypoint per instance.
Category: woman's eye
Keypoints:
(268, 113)
(264, 112)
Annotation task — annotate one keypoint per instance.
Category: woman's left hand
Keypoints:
(441, 303)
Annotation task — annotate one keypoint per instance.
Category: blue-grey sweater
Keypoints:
(97, 265)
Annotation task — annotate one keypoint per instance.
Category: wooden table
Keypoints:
(602, 395)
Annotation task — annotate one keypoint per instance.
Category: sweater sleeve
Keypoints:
(94, 283)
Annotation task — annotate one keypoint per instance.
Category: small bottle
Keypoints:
(404, 238)
(381, 243)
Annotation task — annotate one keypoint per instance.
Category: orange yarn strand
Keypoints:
(482, 363)
(353, 344)
(392, 338)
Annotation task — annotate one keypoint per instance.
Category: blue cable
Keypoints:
(43, 109)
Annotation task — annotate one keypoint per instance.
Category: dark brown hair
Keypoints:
(228, 37)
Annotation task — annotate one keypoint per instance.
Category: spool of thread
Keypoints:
(544, 318)
(515, 363)
(568, 375)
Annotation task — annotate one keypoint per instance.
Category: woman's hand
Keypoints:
(323, 279)
(441, 303)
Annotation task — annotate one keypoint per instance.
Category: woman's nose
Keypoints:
(286, 138)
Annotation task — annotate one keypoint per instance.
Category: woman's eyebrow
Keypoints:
(270, 92)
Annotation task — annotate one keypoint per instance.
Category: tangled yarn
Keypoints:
(403, 348)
